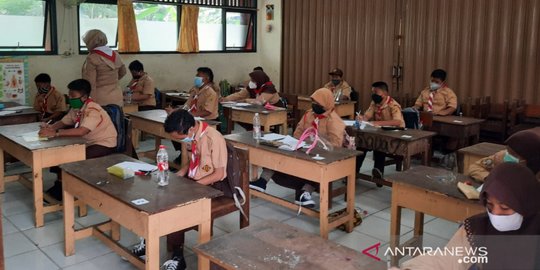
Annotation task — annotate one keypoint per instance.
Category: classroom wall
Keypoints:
(270, 42)
(170, 71)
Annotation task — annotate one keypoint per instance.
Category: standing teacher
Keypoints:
(103, 68)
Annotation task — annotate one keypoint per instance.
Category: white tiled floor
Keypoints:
(29, 248)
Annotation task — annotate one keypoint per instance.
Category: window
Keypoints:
(31, 27)
(98, 16)
(220, 28)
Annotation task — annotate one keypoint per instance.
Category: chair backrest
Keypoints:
(355, 96)
(427, 119)
(236, 177)
(117, 117)
(291, 102)
(411, 117)
(157, 96)
(129, 149)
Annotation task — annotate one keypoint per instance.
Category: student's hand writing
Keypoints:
(360, 117)
(44, 124)
(169, 109)
(47, 132)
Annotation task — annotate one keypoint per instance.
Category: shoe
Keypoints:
(139, 249)
(304, 199)
(55, 191)
(175, 264)
(377, 174)
(259, 185)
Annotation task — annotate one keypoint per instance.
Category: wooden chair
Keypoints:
(293, 114)
(130, 150)
(496, 126)
(426, 118)
(222, 206)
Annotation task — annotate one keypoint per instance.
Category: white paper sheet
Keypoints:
(349, 123)
(17, 108)
(136, 166)
(242, 104)
(228, 102)
(198, 118)
(273, 137)
(32, 137)
(6, 112)
(289, 143)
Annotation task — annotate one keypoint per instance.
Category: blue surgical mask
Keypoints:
(198, 81)
(434, 86)
(509, 158)
(188, 139)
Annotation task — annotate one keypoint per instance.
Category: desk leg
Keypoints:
(284, 128)
(2, 173)
(152, 249)
(395, 223)
(205, 233)
(266, 127)
(351, 185)
(69, 221)
(38, 192)
(115, 230)
(323, 212)
(418, 224)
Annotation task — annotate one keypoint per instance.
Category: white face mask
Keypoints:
(252, 85)
(434, 86)
(506, 223)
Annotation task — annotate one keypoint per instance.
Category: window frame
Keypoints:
(178, 4)
(101, 2)
(50, 27)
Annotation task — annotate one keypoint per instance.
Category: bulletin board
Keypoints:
(14, 79)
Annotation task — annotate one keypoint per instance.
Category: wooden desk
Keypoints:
(465, 130)
(38, 155)
(151, 122)
(180, 205)
(173, 95)
(337, 164)
(135, 135)
(469, 155)
(413, 189)
(245, 115)
(343, 108)
(392, 142)
(274, 245)
(25, 116)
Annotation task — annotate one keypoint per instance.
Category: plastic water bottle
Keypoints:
(256, 126)
(129, 94)
(162, 159)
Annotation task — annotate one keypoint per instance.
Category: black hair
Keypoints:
(258, 68)
(208, 72)
(180, 121)
(136, 66)
(80, 85)
(380, 85)
(43, 78)
(439, 74)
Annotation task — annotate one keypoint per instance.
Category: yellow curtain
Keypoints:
(128, 38)
(189, 37)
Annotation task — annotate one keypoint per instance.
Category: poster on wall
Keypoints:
(14, 79)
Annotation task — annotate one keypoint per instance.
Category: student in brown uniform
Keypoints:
(260, 90)
(49, 101)
(103, 68)
(142, 86)
(522, 147)
(85, 119)
(207, 165)
(203, 99)
(330, 127)
(437, 98)
(507, 232)
(341, 89)
(383, 111)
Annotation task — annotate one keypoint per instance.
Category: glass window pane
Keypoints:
(157, 26)
(99, 16)
(237, 29)
(210, 29)
(23, 23)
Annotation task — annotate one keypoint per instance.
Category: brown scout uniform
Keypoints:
(213, 151)
(145, 86)
(244, 94)
(343, 87)
(442, 98)
(331, 127)
(103, 75)
(55, 102)
(207, 100)
(93, 117)
(389, 110)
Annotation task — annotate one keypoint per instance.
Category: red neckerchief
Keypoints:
(195, 156)
(260, 90)
(378, 114)
(315, 122)
(112, 57)
(44, 103)
(80, 112)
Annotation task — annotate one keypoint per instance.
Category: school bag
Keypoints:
(117, 117)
